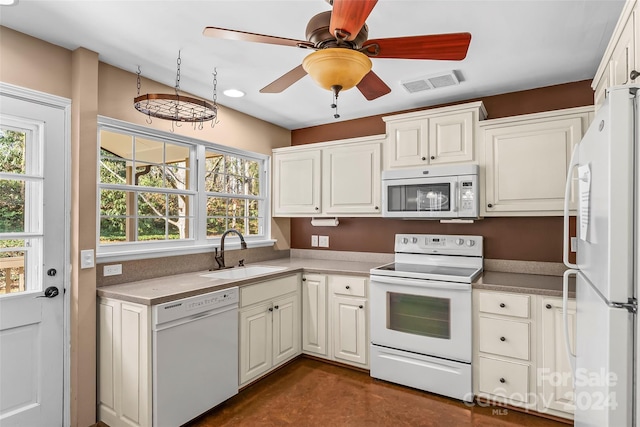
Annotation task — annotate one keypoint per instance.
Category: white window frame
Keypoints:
(198, 242)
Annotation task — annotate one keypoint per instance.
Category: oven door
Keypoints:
(420, 197)
(422, 316)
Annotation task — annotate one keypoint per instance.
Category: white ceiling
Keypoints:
(515, 45)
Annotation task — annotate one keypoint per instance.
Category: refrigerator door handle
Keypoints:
(565, 317)
(567, 193)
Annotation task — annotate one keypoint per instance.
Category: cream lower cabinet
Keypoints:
(124, 363)
(519, 354)
(269, 319)
(335, 318)
(524, 161)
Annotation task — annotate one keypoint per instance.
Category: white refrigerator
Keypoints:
(606, 269)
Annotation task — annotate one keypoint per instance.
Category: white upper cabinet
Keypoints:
(524, 161)
(329, 178)
(619, 60)
(435, 136)
(296, 182)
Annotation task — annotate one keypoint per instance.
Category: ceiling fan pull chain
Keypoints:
(335, 90)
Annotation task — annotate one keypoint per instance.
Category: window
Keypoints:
(165, 191)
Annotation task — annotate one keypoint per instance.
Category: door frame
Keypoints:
(64, 104)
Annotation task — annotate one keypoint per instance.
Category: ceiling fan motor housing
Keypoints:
(318, 33)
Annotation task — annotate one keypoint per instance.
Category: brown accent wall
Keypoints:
(522, 238)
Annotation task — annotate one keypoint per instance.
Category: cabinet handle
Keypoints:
(549, 306)
(489, 205)
(376, 208)
(316, 208)
(502, 305)
(276, 307)
(502, 380)
(360, 306)
(270, 308)
(347, 287)
(304, 279)
(424, 158)
(503, 339)
(634, 74)
(433, 157)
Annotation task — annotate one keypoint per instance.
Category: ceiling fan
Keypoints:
(341, 60)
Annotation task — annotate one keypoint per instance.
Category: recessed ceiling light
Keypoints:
(234, 93)
(8, 2)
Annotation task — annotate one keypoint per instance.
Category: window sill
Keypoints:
(146, 253)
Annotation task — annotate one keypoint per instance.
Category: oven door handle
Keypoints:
(426, 284)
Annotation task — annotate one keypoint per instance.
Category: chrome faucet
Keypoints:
(220, 258)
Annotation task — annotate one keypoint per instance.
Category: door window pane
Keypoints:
(12, 263)
(13, 150)
(419, 315)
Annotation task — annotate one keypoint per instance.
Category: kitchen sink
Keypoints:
(242, 272)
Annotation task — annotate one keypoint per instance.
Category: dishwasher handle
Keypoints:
(193, 318)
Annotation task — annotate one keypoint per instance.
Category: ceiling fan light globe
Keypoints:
(337, 67)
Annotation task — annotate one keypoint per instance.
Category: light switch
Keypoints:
(87, 259)
(323, 241)
(314, 240)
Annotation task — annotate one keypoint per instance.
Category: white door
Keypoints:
(33, 258)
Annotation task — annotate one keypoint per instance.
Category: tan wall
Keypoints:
(99, 89)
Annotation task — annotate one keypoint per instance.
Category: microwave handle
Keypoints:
(456, 198)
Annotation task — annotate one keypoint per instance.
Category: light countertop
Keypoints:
(170, 288)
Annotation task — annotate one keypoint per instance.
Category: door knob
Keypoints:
(50, 292)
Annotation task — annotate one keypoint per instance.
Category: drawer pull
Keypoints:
(503, 339)
(502, 380)
(549, 306)
(502, 305)
(360, 306)
(347, 287)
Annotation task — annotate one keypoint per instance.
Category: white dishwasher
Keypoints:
(195, 355)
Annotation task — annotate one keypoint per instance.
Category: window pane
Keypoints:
(214, 163)
(252, 187)
(149, 151)
(150, 176)
(235, 184)
(177, 204)
(252, 169)
(234, 165)
(178, 228)
(12, 263)
(177, 154)
(216, 226)
(12, 206)
(12, 151)
(118, 144)
(237, 223)
(113, 171)
(152, 204)
(236, 207)
(113, 202)
(216, 206)
(113, 230)
(254, 208)
(254, 226)
(151, 229)
(176, 177)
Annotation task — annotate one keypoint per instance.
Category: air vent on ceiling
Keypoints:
(431, 82)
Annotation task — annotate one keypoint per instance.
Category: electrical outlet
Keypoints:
(323, 241)
(314, 240)
(112, 270)
(87, 258)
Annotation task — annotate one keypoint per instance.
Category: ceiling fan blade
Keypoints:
(283, 82)
(451, 47)
(372, 86)
(348, 16)
(222, 33)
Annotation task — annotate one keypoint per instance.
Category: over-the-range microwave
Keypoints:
(431, 192)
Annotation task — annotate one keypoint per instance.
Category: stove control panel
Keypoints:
(438, 244)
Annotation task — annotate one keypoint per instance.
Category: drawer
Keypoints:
(506, 379)
(504, 337)
(268, 290)
(505, 304)
(348, 285)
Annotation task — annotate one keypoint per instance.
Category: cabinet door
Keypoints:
(349, 329)
(286, 328)
(296, 183)
(554, 373)
(623, 57)
(451, 138)
(600, 93)
(351, 179)
(526, 165)
(314, 314)
(407, 143)
(255, 341)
